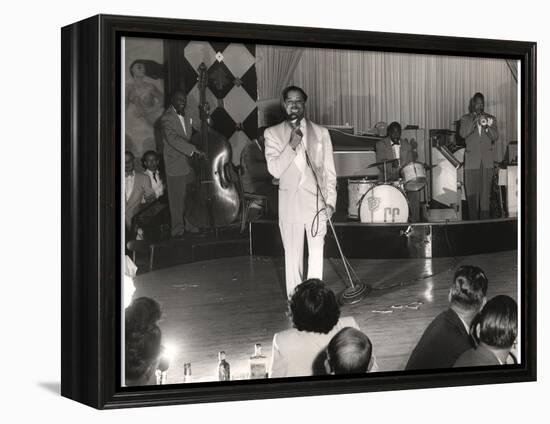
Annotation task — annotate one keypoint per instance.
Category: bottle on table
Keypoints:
(187, 376)
(258, 363)
(223, 367)
(162, 368)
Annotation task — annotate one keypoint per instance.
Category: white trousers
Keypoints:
(293, 243)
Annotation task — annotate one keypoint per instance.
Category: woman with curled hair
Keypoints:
(495, 330)
(142, 341)
(143, 348)
(142, 313)
(316, 319)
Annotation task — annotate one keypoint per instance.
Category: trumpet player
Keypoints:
(480, 131)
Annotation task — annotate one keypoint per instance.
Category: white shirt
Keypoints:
(129, 184)
(157, 184)
(396, 148)
(466, 326)
(181, 120)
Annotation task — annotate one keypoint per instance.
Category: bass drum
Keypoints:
(356, 190)
(384, 203)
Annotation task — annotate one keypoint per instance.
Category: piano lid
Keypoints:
(344, 141)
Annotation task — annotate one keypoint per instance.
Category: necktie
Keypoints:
(155, 176)
(300, 155)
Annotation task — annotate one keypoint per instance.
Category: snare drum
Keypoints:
(384, 203)
(414, 176)
(356, 190)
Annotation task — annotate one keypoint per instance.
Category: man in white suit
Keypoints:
(299, 154)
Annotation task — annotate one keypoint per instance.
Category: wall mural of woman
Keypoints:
(144, 105)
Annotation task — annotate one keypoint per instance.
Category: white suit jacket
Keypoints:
(298, 200)
(295, 352)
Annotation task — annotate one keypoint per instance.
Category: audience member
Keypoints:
(137, 187)
(142, 313)
(497, 330)
(349, 352)
(448, 335)
(150, 162)
(142, 342)
(129, 288)
(316, 319)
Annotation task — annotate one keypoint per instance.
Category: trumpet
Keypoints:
(485, 120)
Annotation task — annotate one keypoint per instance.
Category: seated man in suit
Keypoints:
(137, 188)
(497, 330)
(316, 319)
(153, 219)
(392, 147)
(150, 162)
(448, 335)
(349, 352)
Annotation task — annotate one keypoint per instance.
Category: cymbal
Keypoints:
(382, 162)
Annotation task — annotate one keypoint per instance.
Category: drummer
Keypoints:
(392, 147)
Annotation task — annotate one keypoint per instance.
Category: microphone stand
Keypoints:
(357, 291)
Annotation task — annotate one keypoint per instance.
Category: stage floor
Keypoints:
(232, 303)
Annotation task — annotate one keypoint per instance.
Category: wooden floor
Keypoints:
(232, 303)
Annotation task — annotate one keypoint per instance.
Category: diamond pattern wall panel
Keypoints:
(249, 81)
(219, 46)
(197, 52)
(223, 122)
(231, 90)
(250, 125)
(220, 79)
(239, 104)
(238, 59)
(189, 76)
(193, 101)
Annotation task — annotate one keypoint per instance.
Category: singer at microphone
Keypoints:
(299, 153)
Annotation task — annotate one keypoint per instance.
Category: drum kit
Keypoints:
(384, 201)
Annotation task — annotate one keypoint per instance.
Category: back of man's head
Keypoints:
(469, 288)
(349, 352)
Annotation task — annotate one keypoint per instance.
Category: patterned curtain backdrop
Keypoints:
(275, 66)
(363, 88)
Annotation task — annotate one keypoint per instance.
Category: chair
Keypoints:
(142, 246)
(248, 198)
(252, 160)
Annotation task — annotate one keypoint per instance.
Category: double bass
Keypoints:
(215, 198)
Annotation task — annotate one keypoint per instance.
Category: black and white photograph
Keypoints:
(296, 212)
(287, 212)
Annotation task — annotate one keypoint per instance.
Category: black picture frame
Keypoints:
(91, 210)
